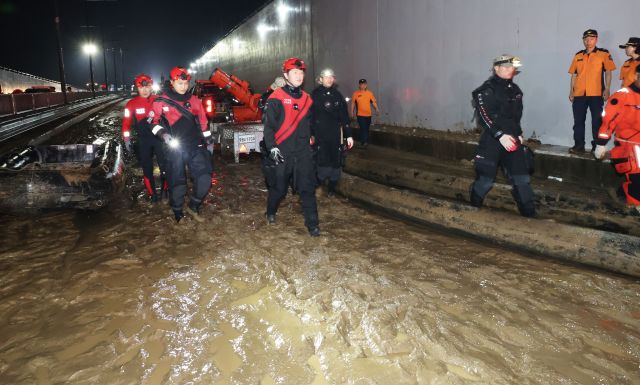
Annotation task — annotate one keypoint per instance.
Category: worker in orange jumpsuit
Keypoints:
(622, 119)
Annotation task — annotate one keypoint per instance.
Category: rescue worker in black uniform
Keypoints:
(287, 135)
(499, 106)
(330, 124)
(181, 122)
(138, 138)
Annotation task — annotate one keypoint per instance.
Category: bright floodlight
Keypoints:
(155, 87)
(237, 44)
(283, 12)
(263, 29)
(90, 48)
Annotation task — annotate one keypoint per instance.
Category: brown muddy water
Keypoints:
(126, 296)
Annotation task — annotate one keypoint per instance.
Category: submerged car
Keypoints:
(83, 176)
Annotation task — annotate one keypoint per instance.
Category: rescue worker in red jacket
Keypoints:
(145, 144)
(622, 119)
(179, 119)
(287, 134)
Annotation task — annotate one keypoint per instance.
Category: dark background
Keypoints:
(154, 35)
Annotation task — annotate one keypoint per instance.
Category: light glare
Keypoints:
(90, 48)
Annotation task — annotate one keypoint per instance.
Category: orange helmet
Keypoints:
(292, 63)
(179, 73)
(143, 80)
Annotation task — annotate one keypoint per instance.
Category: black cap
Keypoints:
(362, 81)
(633, 41)
(590, 32)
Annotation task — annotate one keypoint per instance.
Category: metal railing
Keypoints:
(20, 124)
(14, 104)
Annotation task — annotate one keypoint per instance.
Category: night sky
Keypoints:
(155, 35)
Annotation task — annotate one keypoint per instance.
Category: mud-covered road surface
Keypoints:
(126, 296)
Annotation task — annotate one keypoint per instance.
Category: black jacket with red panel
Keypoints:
(136, 121)
(191, 131)
(287, 120)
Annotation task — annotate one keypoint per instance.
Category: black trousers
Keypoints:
(580, 105)
(331, 173)
(489, 156)
(364, 122)
(198, 161)
(146, 148)
(299, 167)
(633, 188)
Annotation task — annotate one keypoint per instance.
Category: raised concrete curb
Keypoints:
(584, 206)
(550, 161)
(611, 251)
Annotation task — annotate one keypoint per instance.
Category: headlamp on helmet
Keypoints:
(179, 73)
(293, 63)
(143, 80)
(508, 61)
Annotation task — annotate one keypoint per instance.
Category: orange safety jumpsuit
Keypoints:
(622, 119)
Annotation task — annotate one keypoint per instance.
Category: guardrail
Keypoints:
(18, 125)
(14, 104)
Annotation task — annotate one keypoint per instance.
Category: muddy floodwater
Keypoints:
(126, 296)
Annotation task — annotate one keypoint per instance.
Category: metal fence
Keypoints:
(13, 125)
(13, 104)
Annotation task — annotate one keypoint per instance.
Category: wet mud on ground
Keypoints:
(126, 296)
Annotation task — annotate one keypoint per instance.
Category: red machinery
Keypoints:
(216, 102)
(239, 89)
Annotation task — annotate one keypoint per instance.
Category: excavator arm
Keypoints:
(239, 89)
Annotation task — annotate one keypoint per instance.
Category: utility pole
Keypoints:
(63, 82)
(115, 77)
(122, 69)
(104, 48)
(90, 49)
(104, 57)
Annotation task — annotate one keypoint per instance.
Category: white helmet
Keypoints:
(324, 73)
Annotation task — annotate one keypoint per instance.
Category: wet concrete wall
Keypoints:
(11, 79)
(423, 57)
(254, 51)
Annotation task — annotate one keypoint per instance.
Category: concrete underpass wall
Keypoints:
(258, 57)
(12, 79)
(424, 57)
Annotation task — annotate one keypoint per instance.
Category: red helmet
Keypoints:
(143, 80)
(179, 73)
(292, 63)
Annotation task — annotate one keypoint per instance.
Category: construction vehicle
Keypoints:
(248, 110)
(241, 129)
(217, 103)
